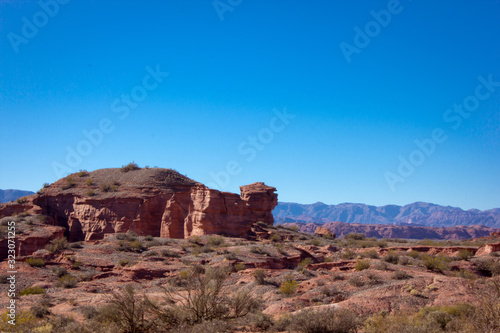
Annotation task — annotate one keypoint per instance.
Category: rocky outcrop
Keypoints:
(156, 202)
(488, 248)
(27, 243)
(324, 232)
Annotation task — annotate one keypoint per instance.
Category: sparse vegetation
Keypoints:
(130, 167)
(36, 262)
(362, 265)
(67, 281)
(70, 182)
(325, 320)
(32, 291)
(289, 286)
(57, 245)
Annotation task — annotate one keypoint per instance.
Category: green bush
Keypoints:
(275, 237)
(57, 245)
(438, 263)
(289, 287)
(109, 187)
(36, 262)
(70, 182)
(391, 257)
(355, 236)
(67, 281)
(362, 265)
(259, 276)
(356, 281)
(325, 320)
(373, 254)
(83, 173)
(32, 291)
(130, 167)
(465, 254)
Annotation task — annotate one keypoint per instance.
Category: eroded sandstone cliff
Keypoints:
(156, 202)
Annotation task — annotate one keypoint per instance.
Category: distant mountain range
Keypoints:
(341, 229)
(415, 214)
(11, 195)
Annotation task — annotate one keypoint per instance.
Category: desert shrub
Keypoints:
(67, 281)
(488, 267)
(464, 255)
(91, 193)
(205, 297)
(57, 245)
(275, 237)
(401, 275)
(381, 266)
(465, 274)
(45, 185)
(215, 241)
(391, 257)
(32, 291)
(374, 279)
(356, 281)
(263, 322)
(129, 311)
(88, 275)
(169, 253)
(22, 200)
(70, 182)
(362, 265)
(59, 271)
(324, 320)
(239, 267)
(259, 276)
(88, 311)
(404, 260)
(289, 286)
(133, 246)
(130, 167)
(123, 262)
(355, 236)
(39, 311)
(109, 187)
(414, 254)
(258, 250)
(35, 262)
(304, 262)
(25, 322)
(486, 316)
(82, 173)
(89, 182)
(76, 245)
(315, 242)
(348, 254)
(150, 253)
(371, 254)
(397, 322)
(437, 263)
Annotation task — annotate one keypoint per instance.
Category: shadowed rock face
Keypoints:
(156, 202)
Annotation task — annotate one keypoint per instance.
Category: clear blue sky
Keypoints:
(229, 67)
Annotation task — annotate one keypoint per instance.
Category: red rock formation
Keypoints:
(324, 232)
(26, 244)
(156, 202)
(488, 248)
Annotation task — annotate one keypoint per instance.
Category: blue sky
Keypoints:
(259, 91)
